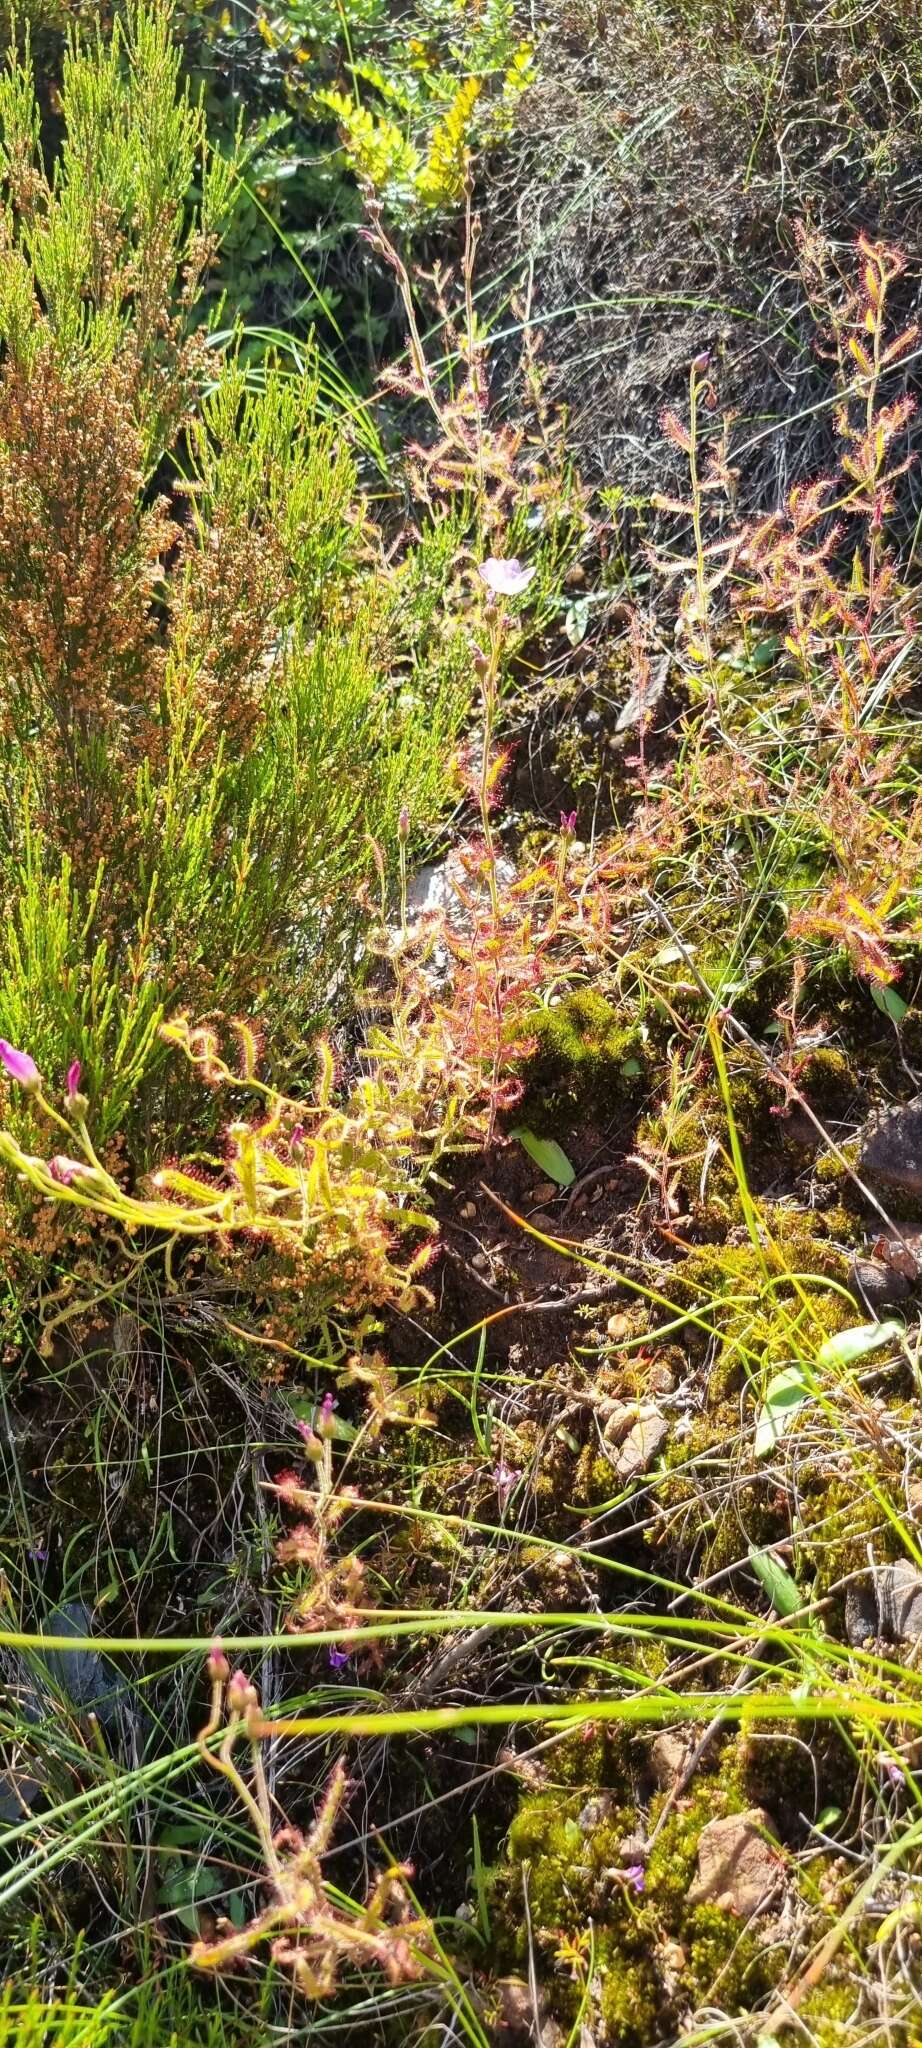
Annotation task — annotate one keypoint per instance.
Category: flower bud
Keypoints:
(323, 1420)
(238, 1692)
(403, 825)
(216, 1665)
(65, 1170)
(20, 1066)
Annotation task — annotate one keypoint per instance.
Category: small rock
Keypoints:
(891, 1150)
(642, 1443)
(738, 1869)
(668, 1752)
(517, 2017)
(876, 1284)
(620, 1418)
(902, 1253)
(887, 1603)
(661, 1380)
(481, 1262)
(17, 1795)
(596, 1811)
(468, 1211)
(516, 2012)
(544, 1193)
(672, 1963)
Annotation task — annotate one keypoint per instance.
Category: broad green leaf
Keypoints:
(547, 1155)
(888, 1001)
(576, 620)
(783, 1396)
(782, 1590)
(850, 1345)
(766, 652)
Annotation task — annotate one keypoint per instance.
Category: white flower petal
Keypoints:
(505, 578)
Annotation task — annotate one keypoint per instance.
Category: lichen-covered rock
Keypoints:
(890, 1159)
(642, 1444)
(877, 1284)
(668, 1752)
(739, 1864)
(887, 1603)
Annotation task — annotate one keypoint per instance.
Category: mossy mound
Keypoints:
(585, 1052)
(656, 1958)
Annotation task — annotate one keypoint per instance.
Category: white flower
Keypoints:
(505, 579)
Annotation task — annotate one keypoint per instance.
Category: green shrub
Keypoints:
(332, 95)
(206, 693)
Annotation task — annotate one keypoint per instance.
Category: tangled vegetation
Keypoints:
(460, 1045)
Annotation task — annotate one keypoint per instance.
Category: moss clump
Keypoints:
(690, 1131)
(766, 1302)
(575, 1852)
(838, 1518)
(828, 2017)
(829, 1081)
(584, 1051)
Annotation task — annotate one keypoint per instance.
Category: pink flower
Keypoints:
(505, 579)
(19, 1066)
(312, 1443)
(65, 1170)
(73, 1080)
(505, 1478)
(324, 1422)
(568, 823)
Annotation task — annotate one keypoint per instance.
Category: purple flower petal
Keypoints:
(73, 1079)
(505, 579)
(337, 1658)
(19, 1065)
(505, 1478)
(65, 1170)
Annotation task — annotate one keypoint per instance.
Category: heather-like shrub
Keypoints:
(208, 670)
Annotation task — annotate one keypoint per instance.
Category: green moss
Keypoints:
(837, 1519)
(585, 1050)
(574, 1849)
(829, 1081)
(827, 2017)
(833, 1169)
(765, 1302)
